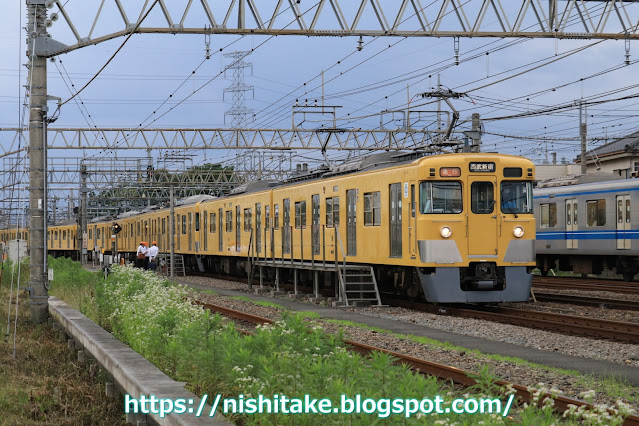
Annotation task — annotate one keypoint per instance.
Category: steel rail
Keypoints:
(569, 324)
(441, 371)
(599, 302)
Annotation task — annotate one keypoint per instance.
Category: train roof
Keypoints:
(592, 184)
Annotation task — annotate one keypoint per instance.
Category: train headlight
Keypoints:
(518, 232)
(446, 231)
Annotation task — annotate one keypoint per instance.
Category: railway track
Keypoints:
(586, 285)
(568, 324)
(443, 372)
(598, 302)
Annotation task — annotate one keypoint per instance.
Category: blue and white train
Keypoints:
(586, 224)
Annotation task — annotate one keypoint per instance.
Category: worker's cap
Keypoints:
(155, 242)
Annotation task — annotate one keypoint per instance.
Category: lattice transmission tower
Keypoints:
(239, 114)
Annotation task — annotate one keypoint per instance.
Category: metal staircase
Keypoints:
(358, 284)
(178, 264)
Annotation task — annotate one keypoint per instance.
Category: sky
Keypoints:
(383, 75)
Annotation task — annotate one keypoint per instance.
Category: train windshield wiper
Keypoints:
(508, 209)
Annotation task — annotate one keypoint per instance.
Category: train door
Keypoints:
(315, 231)
(571, 223)
(257, 237)
(412, 227)
(482, 220)
(351, 222)
(395, 215)
(623, 222)
(286, 227)
(220, 230)
(238, 229)
(190, 231)
(205, 229)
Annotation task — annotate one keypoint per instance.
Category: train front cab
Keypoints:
(476, 229)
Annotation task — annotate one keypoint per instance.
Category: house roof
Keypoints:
(618, 145)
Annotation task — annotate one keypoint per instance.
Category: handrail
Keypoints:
(342, 275)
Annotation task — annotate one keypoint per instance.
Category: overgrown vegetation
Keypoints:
(43, 384)
(291, 358)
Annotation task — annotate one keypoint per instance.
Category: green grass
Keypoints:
(44, 384)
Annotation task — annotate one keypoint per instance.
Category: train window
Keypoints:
(442, 197)
(329, 212)
(300, 215)
(137, 227)
(183, 224)
(516, 197)
(267, 216)
(627, 211)
(336, 211)
(90, 234)
(548, 213)
(197, 221)
(596, 212)
(212, 222)
(276, 217)
(163, 226)
(248, 220)
(229, 221)
(482, 198)
(64, 235)
(512, 172)
(373, 209)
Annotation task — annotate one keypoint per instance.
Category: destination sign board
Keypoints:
(481, 167)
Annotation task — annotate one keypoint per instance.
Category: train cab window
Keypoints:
(197, 221)
(595, 212)
(548, 215)
(229, 220)
(482, 197)
(248, 220)
(276, 217)
(300, 215)
(373, 208)
(212, 222)
(516, 197)
(443, 197)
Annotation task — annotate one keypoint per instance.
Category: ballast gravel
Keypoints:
(521, 373)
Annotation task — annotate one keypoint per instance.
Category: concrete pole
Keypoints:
(84, 214)
(172, 234)
(476, 127)
(37, 163)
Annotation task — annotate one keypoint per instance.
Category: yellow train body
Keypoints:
(442, 218)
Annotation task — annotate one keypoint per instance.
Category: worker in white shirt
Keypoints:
(153, 254)
(140, 255)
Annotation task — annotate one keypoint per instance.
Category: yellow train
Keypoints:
(451, 228)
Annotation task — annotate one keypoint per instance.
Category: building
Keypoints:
(620, 157)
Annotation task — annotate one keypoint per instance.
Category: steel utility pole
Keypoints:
(83, 215)
(36, 32)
